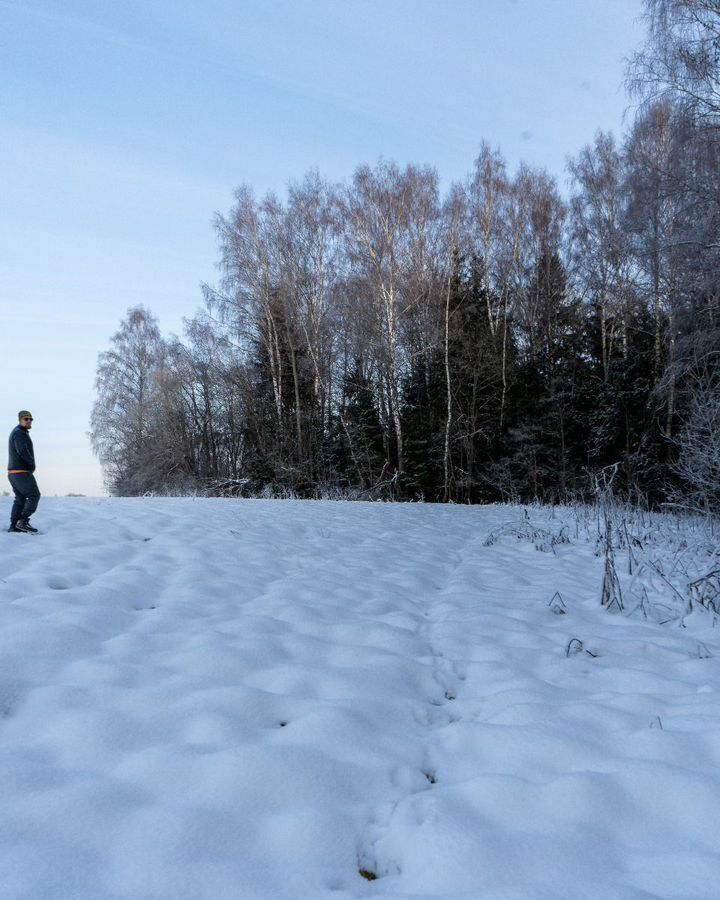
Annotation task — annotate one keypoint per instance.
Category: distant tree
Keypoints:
(679, 60)
(601, 262)
(496, 224)
(315, 263)
(424, 411)
(480, 367)
(698, 460)
(389, 215)
(204, 407)
(548, 372)
(124, 422)
(361, 434)
(676, 139)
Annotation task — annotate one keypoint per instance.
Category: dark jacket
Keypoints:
(20, 450)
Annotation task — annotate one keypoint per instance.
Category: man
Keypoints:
(21, 465)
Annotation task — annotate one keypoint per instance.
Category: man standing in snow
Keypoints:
(21, 465)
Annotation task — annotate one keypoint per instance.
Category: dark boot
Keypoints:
(25, 526)
(13, 527)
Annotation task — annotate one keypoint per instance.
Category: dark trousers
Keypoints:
(27, 496)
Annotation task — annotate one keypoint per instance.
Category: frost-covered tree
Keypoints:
(698, 461)
(124, 425)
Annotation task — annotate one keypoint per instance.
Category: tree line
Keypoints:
(500, 340)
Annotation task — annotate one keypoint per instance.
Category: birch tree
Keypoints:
(601, 261)
(387, 214)
(124, 430)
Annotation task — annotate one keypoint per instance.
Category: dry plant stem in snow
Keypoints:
(706, 590)
(611, 591)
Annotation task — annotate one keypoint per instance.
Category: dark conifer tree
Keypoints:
(280, 414)
(423, 421)
(544, 427)
(359, 453)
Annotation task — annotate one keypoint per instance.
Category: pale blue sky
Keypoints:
(125, 124)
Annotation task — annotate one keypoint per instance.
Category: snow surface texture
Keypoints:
(265, 699)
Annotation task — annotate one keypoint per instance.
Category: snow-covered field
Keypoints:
(261, 699)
